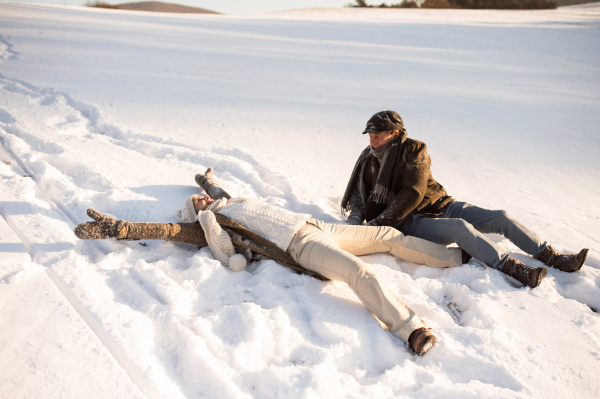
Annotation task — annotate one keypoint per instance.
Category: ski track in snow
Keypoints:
(237, 165)
(265, 332)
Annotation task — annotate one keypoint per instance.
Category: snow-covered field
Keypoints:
(118, 111)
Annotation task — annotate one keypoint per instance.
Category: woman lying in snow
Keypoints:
(326, 251)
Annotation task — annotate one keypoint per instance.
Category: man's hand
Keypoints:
(354, 220)
(373, 222)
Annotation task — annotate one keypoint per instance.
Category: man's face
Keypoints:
(377, 139)
(201, 203)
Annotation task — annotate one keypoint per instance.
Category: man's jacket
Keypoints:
(414, 190)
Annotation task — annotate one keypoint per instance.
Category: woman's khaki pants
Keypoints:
(332, 250)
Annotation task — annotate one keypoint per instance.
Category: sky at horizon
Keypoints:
(222, 6)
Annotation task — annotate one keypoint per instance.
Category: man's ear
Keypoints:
(396, 133)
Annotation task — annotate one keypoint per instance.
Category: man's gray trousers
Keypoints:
(466, 224)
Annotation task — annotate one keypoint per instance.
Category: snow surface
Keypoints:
(118, 111)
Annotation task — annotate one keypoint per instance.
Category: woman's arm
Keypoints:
(108, 227)
(245, 241)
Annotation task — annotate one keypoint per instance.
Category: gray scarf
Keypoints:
(381, 194)
(386, 179)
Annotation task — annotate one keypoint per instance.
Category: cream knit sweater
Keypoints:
(276, 224)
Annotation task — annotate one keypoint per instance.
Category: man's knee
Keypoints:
(459, 226)
(482, 217)
(500, 215)
(499, 222)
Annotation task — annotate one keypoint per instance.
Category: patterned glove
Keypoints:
(373, 222)
(103, 227)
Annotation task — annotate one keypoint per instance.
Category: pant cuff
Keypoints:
(500, 264)
(413, 324)
(543, 247)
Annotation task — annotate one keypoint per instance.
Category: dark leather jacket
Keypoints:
(416, 189)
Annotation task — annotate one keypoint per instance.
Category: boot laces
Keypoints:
(560, 259)
(526, 270)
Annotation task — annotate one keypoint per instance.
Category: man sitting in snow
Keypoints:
(392, 185)
(327, 251)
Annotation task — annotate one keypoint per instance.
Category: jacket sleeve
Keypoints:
(414, 178)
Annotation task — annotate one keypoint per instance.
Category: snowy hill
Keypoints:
(159, 6)
(573, 2)
(118, 111)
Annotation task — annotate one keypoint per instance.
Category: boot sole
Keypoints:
(427, 345)
(540, 276)
(585, 257)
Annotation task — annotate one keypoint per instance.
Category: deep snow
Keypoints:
(118, 111)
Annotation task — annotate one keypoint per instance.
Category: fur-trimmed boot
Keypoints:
(526, 275)
(566, 263)
(208, 184)
(108, 227)
(421, 340)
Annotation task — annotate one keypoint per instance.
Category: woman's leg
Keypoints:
(210, 186)
(315, 250)
(365, 240)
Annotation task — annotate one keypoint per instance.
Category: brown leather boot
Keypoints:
(526, 275)
(566, 263)
(421, 341)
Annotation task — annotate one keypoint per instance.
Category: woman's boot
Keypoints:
(208, 184)
(526, 275)
(421, 341)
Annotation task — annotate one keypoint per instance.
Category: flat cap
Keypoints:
(384, 121)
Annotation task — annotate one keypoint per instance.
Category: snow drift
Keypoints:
(118, 111)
